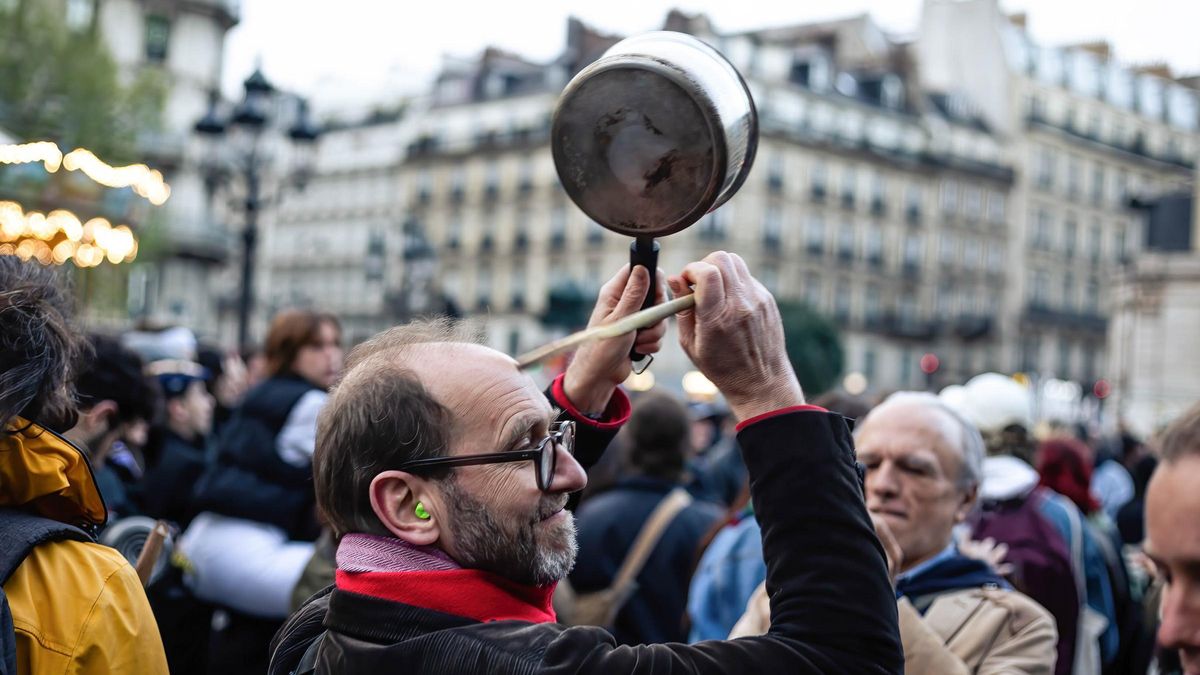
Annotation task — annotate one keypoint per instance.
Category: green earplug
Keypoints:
(421, 512)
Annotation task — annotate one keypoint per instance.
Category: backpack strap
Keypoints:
(20, 532)
(649, 536)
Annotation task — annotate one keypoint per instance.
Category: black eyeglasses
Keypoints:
(544, 456)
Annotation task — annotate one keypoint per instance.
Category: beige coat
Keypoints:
(982, 631)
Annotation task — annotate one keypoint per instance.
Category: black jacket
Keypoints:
(168, 483)
(608, 523)
(249, 479)
(833, 608)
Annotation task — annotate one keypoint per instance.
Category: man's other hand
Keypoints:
(598, 367)
(734, 335)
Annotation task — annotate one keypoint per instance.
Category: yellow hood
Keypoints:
(41, 470)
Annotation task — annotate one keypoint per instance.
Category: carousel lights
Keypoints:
(144, 181)
(60, 236)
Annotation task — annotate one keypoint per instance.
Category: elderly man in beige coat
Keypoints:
(957, 615)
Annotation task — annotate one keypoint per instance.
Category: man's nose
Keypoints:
(1180, 627)
(569, 475)
(881, 481)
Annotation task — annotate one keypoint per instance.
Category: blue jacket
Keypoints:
(1057, 509)
(729, 571)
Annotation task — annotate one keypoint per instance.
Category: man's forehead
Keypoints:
(456, 373)
(906, 426)
(1173, 511)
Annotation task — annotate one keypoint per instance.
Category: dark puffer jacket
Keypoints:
(249, 479)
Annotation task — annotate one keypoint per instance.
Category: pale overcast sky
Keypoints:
(348, 52)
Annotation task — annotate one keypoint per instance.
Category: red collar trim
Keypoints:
(475, 594)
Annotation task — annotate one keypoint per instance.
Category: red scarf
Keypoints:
(475, 594)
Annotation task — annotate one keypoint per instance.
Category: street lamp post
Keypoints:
(237, 152)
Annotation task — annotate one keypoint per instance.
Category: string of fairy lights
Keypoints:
(61, 236)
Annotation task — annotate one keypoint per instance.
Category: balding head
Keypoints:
(384, 410)
(959, 432)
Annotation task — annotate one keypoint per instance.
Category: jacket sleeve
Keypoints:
(120, 634)
(832, 605)
(592, 437)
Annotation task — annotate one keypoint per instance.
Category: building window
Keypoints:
(458, 182)
(1070, 232)
(913, 246)
(1039, 288)
(972, 253)
(949, 197)
(812, 290)
(945, 300)
(1098, 179)
(818, 180)
(1068, 292)
(454, 231)
(158, 35)
(947, 249)
(845, 241)
(712, 226)
(878, 194)
(1041, 229)
(849, 186)
(775, 173)
(912, 203)
(525, 175)
(873, 245)
(973, 202)
(996, 207)
(1030, 348)
(1091, 299)
(1095, 242)
(871, 302)
(1074, 177)
(1045, 169)
(517, 286)
(1064, 358)
(558, 226)
(1120, 252)
(841, 300)
(869, 364)
(769, 276)
(483, 285)
(772, 226)
(814, 234)
(995, 256)
(491, 179)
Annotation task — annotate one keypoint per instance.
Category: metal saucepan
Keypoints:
(653, 135)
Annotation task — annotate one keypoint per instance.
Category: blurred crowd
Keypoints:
(1013, 545)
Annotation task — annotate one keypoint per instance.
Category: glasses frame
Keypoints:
(562, 434)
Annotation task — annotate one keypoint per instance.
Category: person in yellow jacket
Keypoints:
(77, 606)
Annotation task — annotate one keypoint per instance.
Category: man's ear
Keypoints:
(100, 418)
(394, 498)
(967, 505)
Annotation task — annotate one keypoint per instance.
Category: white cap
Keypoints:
(992, 402)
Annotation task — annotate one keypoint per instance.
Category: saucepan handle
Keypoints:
(644, 251)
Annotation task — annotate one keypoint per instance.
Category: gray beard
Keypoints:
(525, 552)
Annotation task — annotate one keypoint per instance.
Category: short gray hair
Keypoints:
(970, 442)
